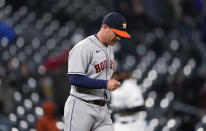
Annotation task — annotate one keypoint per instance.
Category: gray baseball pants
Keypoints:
(82, 116)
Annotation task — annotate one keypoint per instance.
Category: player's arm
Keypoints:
(86, 82)
(90, 83)
(79, 58)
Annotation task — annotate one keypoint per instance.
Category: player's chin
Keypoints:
(112, 42)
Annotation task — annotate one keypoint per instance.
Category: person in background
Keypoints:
(48, 121)
(127, 104)
(5, 124)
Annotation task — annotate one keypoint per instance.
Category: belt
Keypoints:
(96, 102)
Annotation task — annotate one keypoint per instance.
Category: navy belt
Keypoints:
(96, 102)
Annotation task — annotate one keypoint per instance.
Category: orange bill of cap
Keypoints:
(121, 33)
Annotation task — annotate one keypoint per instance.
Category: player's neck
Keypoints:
(100, 38)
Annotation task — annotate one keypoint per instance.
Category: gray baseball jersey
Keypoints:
(91, 58)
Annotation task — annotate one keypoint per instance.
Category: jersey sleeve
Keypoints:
(86, 82)
(78, 59)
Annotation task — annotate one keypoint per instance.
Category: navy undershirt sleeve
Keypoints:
(86, 82)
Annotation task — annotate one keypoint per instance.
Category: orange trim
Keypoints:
(121, 33)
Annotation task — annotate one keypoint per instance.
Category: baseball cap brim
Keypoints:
(121, 33)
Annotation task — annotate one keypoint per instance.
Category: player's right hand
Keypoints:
(113, 84)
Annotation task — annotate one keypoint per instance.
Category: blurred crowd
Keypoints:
(162, 68)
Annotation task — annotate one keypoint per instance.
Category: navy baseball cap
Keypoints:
(117, 23)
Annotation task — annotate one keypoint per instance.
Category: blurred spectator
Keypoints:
(192, 15)
(129, 95)
(202, 97)
(47, 88)
(48, 121)
(60, 92)
(127, 102)
(191, 8)
(6, 95)
(54, 86)
(9, 86)
(5, 124)
(135, 12)
(54, 64)
(202, 91)
(199, 5)
(203, 28)
(24, 70)
(6, 31)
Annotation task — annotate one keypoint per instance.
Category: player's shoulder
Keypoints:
(85, 43)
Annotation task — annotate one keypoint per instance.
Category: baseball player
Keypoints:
(128, 98)
(90, 67)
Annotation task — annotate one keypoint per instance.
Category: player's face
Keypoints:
(111, 37)
(115, 38)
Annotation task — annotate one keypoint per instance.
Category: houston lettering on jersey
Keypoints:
(103, 65)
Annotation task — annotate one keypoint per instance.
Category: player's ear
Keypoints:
(104, 26)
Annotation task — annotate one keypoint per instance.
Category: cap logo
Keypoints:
(124, 25)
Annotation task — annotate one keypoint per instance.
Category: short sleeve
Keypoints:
(78, 59)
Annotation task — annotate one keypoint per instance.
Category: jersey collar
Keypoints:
(97, 42)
